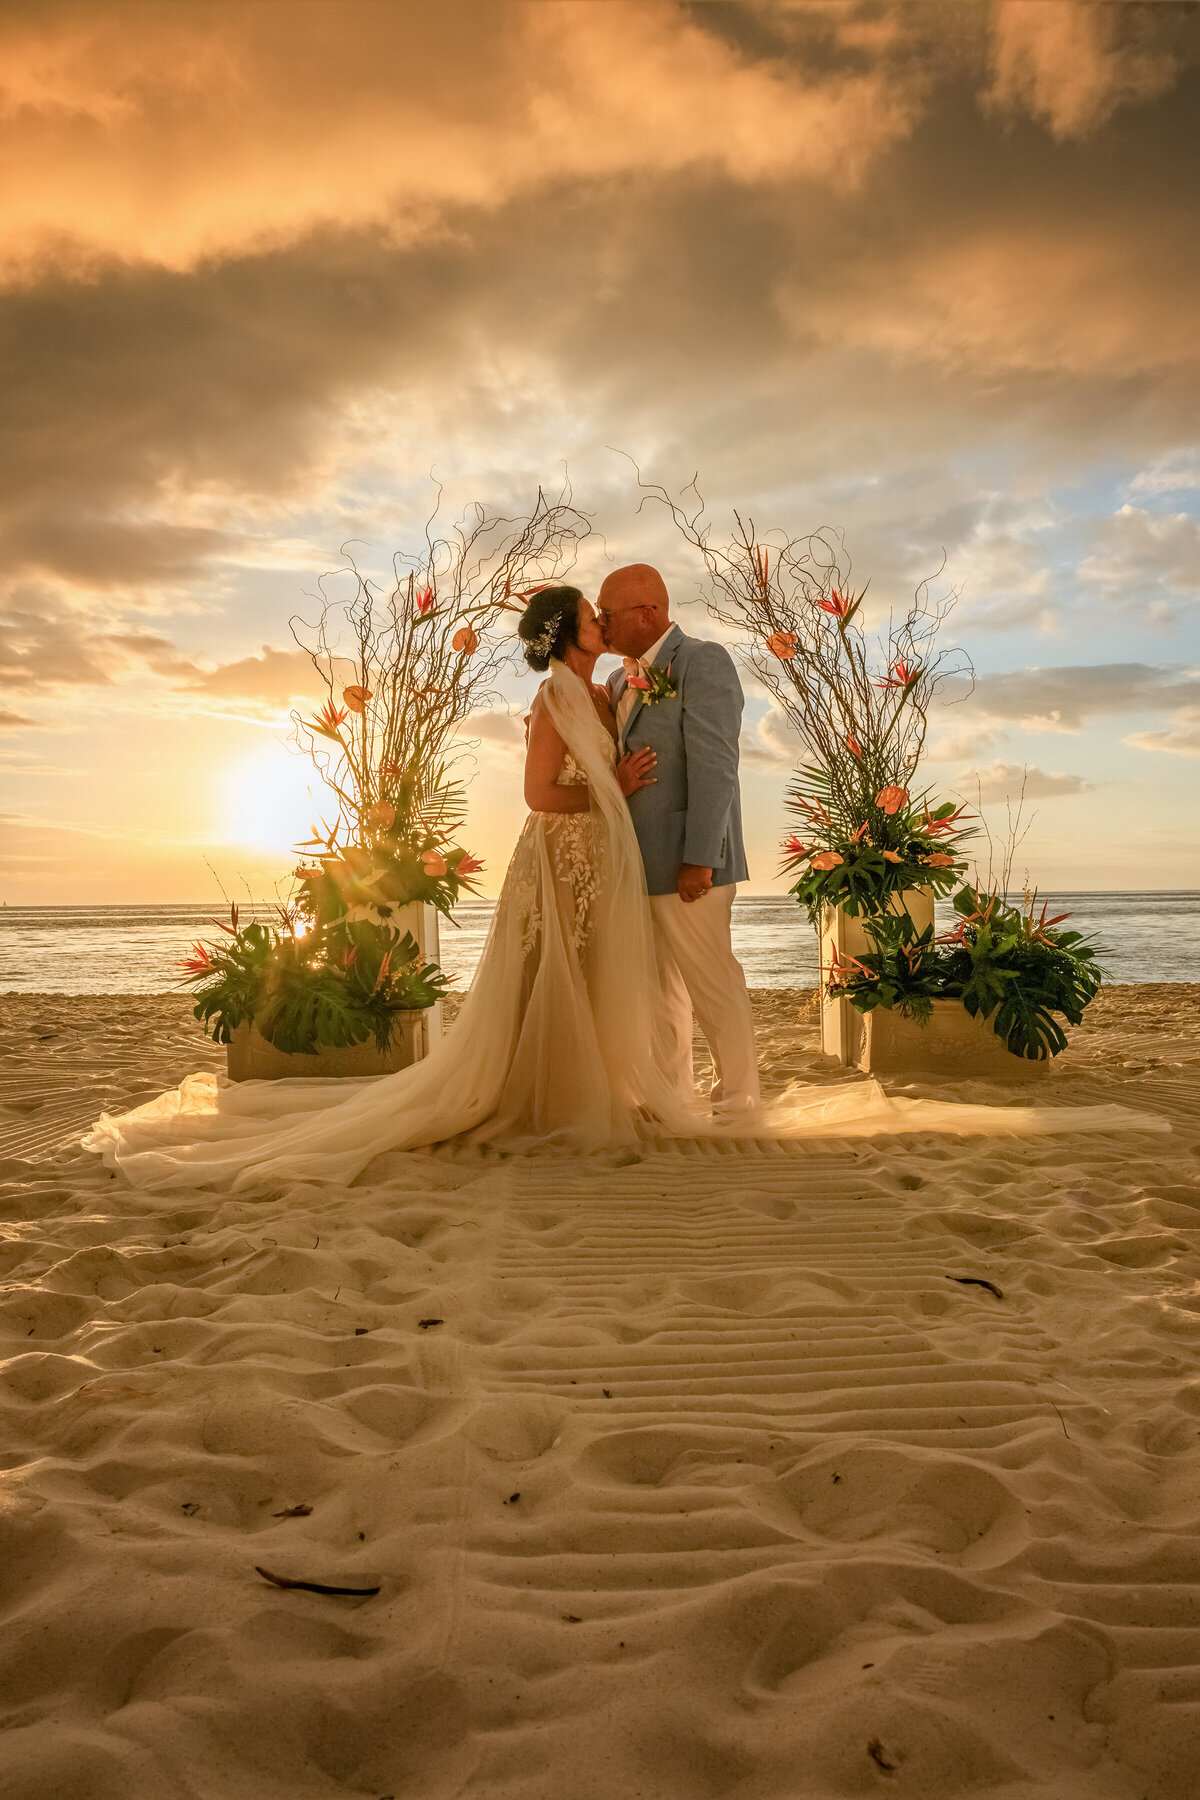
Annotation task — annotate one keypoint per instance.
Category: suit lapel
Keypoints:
(666, 651)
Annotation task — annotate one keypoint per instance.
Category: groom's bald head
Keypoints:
(634, 608)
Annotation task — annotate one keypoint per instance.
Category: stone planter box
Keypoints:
(846, 935)
(251, 1058)
(952, 1043)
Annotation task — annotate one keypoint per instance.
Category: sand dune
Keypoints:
(820, 1470)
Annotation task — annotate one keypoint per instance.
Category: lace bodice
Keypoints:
(570, 775)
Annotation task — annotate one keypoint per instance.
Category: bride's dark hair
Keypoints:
(549, 625)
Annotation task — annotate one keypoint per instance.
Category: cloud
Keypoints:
(1063, 62)
(11, 721)
(49, 643)
(1142, 557)
(1004, 781)
(1064, 699)
(500, 731)
(1181, 739)
(773, 744)
(274, 678)
(170, 134)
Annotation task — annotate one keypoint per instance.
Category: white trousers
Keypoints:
(700, 972)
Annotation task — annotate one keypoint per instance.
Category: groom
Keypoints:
(681, 697)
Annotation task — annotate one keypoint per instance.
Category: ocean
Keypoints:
(1152, 936)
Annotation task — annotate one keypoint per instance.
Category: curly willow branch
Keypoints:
(833, 682)
(427, 651)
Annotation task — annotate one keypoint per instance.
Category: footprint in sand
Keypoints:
(945, 1505)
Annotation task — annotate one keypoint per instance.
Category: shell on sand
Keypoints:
(709, 1471)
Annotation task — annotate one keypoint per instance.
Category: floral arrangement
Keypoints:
(861, 858)
(404, 668)
(335, 986)
(859, 708)
(421, 659)
(1009, 966)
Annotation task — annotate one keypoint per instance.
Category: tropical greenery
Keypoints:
(335, 986)
(1008, 965)
(860, 853)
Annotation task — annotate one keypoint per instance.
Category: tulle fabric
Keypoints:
(554, 1045)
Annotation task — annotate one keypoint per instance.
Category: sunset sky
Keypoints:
(926, 273)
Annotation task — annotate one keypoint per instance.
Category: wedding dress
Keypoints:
(554, 1045)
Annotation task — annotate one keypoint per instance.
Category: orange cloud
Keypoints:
(168, 133)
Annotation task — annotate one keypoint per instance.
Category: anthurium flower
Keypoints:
(892, 856)
(382, 814)
(433, 864)
(356, 698)
(425, 598)
(891, 799)
(782, 644)
(828, 859)
(639, 682)
(940, 861)
(465, 640)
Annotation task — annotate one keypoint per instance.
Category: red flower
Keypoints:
(902, 676)
(853, 746)
(468, 865)
(840, 605)
(860, 834)
(794, 847)
(891, 799)
(199, 963)
(639, 682)
(938, 827)
(425, 598)
(329, 718)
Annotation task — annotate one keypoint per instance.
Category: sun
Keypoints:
(272, 800)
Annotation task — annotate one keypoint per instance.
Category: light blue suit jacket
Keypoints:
(693, 813)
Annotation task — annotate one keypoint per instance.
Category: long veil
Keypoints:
(552, 1049)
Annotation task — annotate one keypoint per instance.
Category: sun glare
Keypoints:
(271, 800)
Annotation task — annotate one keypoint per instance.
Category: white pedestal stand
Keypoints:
(842, 1031)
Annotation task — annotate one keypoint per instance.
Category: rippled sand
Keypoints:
(837, 1469)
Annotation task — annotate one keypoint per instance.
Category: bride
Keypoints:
(559, 1040)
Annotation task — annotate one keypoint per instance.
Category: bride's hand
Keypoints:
(634, 770)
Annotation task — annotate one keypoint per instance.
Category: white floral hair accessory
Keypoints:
(541, 645)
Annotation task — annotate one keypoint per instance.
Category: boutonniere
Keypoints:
(654, 684)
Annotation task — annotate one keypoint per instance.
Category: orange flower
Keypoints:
(465, 640)
(468, 865)
(839, 605)
(794, 847)
(433, 864)
(382, 814)
(828, 859)
(902, 676)
(782, 644)
(853, 746)
(939, 861)
(891, 856)
(356, 698)
(891, 799)
(328, 719)
(425, 598)
(199, 963)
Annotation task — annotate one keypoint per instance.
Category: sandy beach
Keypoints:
(784, 1473)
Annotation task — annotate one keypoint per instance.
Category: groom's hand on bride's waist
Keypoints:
(693, 882)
